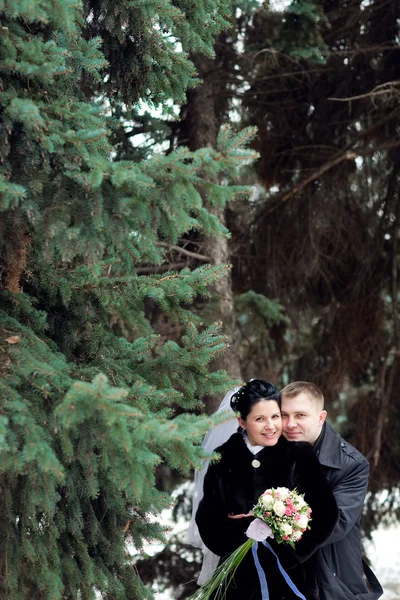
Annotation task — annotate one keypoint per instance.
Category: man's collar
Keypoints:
(327, 447)
(318, 442)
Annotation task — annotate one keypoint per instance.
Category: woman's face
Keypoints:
(263, 424)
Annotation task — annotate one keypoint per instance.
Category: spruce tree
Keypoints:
(92, 397)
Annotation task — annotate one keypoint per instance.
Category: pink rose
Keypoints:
(288, 512)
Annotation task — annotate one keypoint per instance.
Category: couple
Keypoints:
(310, 456)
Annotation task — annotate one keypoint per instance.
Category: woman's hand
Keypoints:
(241, 516)
(258, 530)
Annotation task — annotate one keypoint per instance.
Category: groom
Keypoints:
(341, 572)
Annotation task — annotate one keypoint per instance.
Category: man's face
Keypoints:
(302, 418)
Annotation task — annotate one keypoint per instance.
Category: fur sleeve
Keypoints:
(219, 533)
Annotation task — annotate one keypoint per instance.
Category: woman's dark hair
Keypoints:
(251, 393)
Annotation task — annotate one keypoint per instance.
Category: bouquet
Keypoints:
(282, 514)
(286, 512)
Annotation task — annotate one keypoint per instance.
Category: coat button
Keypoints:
(256, 463)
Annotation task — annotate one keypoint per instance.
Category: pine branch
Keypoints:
(160, 268)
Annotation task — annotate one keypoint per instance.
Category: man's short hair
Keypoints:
(297, 387)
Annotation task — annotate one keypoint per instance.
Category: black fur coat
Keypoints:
(233, 485)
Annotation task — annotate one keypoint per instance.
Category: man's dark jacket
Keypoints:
(341, 572)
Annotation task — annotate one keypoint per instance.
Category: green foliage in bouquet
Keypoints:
(223, 575)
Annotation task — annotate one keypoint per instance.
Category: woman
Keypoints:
(252, 460)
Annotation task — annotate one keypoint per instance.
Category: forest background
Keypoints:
(146, 147)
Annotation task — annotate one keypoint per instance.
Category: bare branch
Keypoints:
(196, 255)
(380, 90)
(349, 155)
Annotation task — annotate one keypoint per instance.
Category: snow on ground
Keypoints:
(384, 554)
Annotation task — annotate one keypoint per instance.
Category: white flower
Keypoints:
(279, 508)
(299, 502)
(302, 522)
(286, 528)
(282, 493)
(296, 535)
(267, 501)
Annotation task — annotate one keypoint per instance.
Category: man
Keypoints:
(341, 572)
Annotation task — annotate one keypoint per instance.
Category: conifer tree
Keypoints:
(88, 388)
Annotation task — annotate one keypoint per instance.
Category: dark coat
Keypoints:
(233, 485)
(340, 566)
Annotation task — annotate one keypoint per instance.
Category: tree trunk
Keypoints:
(201, 121)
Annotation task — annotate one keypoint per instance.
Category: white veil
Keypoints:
(214, 438)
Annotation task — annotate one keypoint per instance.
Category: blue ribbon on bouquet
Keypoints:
(261, 574)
